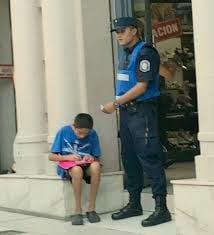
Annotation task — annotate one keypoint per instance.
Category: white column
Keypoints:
(64, 97)
(78, 64)
(30, 143)
(204, 50)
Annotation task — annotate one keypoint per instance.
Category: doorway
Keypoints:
(7, 96)
(171, 32)
(172, 35)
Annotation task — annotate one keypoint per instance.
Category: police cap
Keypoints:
(123, 22)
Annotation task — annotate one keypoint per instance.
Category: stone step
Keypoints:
(52, 197)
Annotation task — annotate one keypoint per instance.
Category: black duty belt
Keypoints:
(139, 103)
(133, 105)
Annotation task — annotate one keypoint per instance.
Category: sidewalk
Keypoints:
(14, 223)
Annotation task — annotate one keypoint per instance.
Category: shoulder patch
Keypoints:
(144, 66)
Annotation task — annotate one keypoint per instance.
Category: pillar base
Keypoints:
(29, 154)
(50, 196)
(194, 206)
(204, 168)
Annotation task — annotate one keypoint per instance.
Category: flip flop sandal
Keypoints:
(93, 217)
(77, 219)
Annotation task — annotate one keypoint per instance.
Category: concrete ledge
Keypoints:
(194, 206)
(195, 182)
(53, 197)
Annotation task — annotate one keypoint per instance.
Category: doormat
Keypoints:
(10, 232)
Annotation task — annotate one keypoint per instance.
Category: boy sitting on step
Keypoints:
(76, 148)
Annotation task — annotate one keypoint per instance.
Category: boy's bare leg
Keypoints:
(94, 171)
(76, 173)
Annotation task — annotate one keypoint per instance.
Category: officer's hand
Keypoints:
(108, 108)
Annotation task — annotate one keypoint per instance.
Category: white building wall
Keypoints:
(99, 75)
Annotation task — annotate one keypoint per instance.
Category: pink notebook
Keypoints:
(68, 164)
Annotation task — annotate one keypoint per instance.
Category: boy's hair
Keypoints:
(83, 120)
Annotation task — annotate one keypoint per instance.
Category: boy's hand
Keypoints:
(88, 158)
(72, 157)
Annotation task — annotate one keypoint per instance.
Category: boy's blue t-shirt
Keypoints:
(66, 142)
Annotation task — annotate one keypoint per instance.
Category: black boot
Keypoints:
(160, 215)
(133, 208)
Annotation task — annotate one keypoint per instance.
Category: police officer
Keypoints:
(137, 88)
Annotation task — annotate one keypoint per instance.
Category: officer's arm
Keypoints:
(133, 93)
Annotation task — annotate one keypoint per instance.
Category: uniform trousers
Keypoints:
(141, 149)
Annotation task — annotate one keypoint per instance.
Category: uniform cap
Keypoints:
(123, 22)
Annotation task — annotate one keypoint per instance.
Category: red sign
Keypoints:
(6, 71)
(167, 29)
